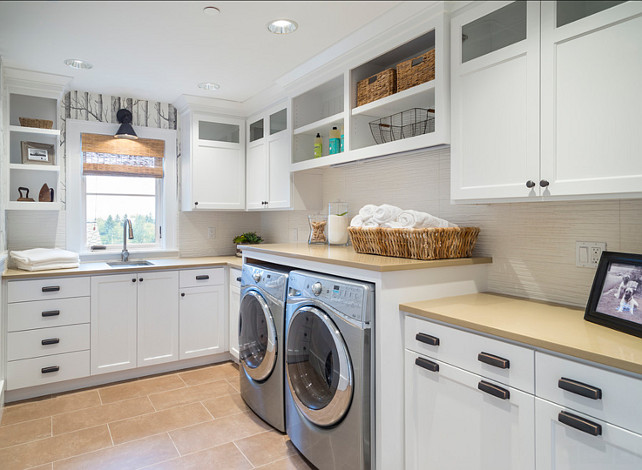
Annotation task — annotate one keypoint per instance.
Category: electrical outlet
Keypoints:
(211, 233)
(588, 254)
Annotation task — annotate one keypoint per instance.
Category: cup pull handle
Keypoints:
(51, 288)
(426, 364)
(493, 360)
(202, 277)
(48, 370)
(51, 313)
(47, 341)
(579, 423)
(493, 390)
(579, 388)
(427, 339)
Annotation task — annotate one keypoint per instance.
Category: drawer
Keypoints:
(498, 360)
(614, 398)
(48, 288)
(47, 341)
(46, 313)
(202, 277)
(47, 369)
(235, 278)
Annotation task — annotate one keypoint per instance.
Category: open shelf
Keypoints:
(34, 130)
(420, 96)
(32, 206)
(321, 126)
(25, 167)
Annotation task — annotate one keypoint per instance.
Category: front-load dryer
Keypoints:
(329, 375)
(261, 335)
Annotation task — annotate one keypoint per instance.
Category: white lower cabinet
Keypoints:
(235, 304)
(452, 424)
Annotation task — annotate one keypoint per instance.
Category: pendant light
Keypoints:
(125, 131)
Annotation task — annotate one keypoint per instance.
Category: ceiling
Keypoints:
(161, 50)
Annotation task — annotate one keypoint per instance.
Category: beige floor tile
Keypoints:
(54, 448)
(155, 423)
(217, 432)
(47, 466)
(131, 455)
(266, 447)
(49, 407)
(25, 432)
(140, 388)
(226, 405)
(182, 396)
(235, 382)
(226, 457)
(210, 373)
(293, 462)
(103, 414)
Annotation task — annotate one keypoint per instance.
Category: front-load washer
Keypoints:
(329, 375)
(261, 335)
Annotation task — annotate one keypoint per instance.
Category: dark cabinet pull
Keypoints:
(424, 338)
(579, 388)
(45, 342)
(51, 288)
(543, 183)
(51, 313)
(493, 390)
(202, 277)
(196, 203)
(579, 423)
(140, 279)
(182, 294)
(238, 279)
(493, 360)
(426, 364)
(530, 184)
(134, 279)
(48, 370)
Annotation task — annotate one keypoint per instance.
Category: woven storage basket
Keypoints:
(415, 243)
(416, 71)
(39, 123)
(378, 86)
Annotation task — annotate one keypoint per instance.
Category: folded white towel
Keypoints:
(46, 267)
(418, 219)
(357, 221)
(392, 224)
(44, 256)
(367, 211)
(386, 213)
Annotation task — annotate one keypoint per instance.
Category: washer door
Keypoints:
(257, 337)
(318, 367)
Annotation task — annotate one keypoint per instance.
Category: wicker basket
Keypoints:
(415, 243)
(416, 71)
(39, 123)
(378, 86)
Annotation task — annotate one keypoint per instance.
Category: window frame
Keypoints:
(167, 199)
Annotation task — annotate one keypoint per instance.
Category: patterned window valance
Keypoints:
(105, 155)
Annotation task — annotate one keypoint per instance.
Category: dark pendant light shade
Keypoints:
(125, 131)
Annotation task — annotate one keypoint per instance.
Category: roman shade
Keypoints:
(104, 155)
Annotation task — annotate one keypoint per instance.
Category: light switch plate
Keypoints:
(211, 233)
(587, 254)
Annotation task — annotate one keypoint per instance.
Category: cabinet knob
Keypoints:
(134, 280)
(182, 294)
(140, 279)
(543, 183)
(196, 203)
(530, 184)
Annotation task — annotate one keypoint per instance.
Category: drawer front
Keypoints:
(495, 359)
(235, 275)
(47, 341)
(48, 288)
(611, 397)
(202, 277)
(47, 369)
(47, 313)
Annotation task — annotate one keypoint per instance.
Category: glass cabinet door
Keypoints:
(569, 11)
(256, 130)
(218, 132)
(278, 121)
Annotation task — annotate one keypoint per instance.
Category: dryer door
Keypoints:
(318, 367)
(257, 336)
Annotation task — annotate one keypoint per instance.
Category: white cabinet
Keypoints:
(234, 304)
(202, 318)
(212, 162)
(544, 103)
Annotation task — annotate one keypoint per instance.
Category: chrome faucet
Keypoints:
(124, 255)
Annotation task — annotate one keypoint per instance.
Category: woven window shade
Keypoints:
(105, 155)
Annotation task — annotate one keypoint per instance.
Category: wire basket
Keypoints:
(409, 123)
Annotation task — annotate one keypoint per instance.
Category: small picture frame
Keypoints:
(38, 153)
(616, 295)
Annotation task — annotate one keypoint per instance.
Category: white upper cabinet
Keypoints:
(545, 100)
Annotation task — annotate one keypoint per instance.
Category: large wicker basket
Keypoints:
(416, 71)
(39, 123)
(415, 243)
(377, 86)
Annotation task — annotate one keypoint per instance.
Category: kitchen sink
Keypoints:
(130, 263)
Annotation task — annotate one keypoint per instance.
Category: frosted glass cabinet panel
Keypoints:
(256, 130)
(494, 31)
(278, 121)
(218, 131)
(569, 11)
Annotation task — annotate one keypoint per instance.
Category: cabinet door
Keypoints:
(278, 154)
(202, 325)
(452, 425)
(591, 100)
(257, 177)
(234, 303)
(560, 446)
(157, 317)
(495, 101)
(113, 322)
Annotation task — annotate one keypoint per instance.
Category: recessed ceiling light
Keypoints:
(282, 26)
(209, 86)
(211, 11)
(78, 64)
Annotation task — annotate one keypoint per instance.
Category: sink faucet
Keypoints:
(124, 255)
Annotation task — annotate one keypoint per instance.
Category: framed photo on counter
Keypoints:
(616, 295)
(38, 153)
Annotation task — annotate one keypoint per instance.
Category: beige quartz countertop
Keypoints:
(104, 268)
(542, 325)
(346, 256)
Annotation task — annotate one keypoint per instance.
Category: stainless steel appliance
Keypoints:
(329, 375)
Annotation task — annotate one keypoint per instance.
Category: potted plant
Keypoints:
(247, 238)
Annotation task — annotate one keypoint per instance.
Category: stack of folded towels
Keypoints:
(389, 216)
(41, 259)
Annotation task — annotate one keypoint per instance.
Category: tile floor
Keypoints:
(191, 419)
